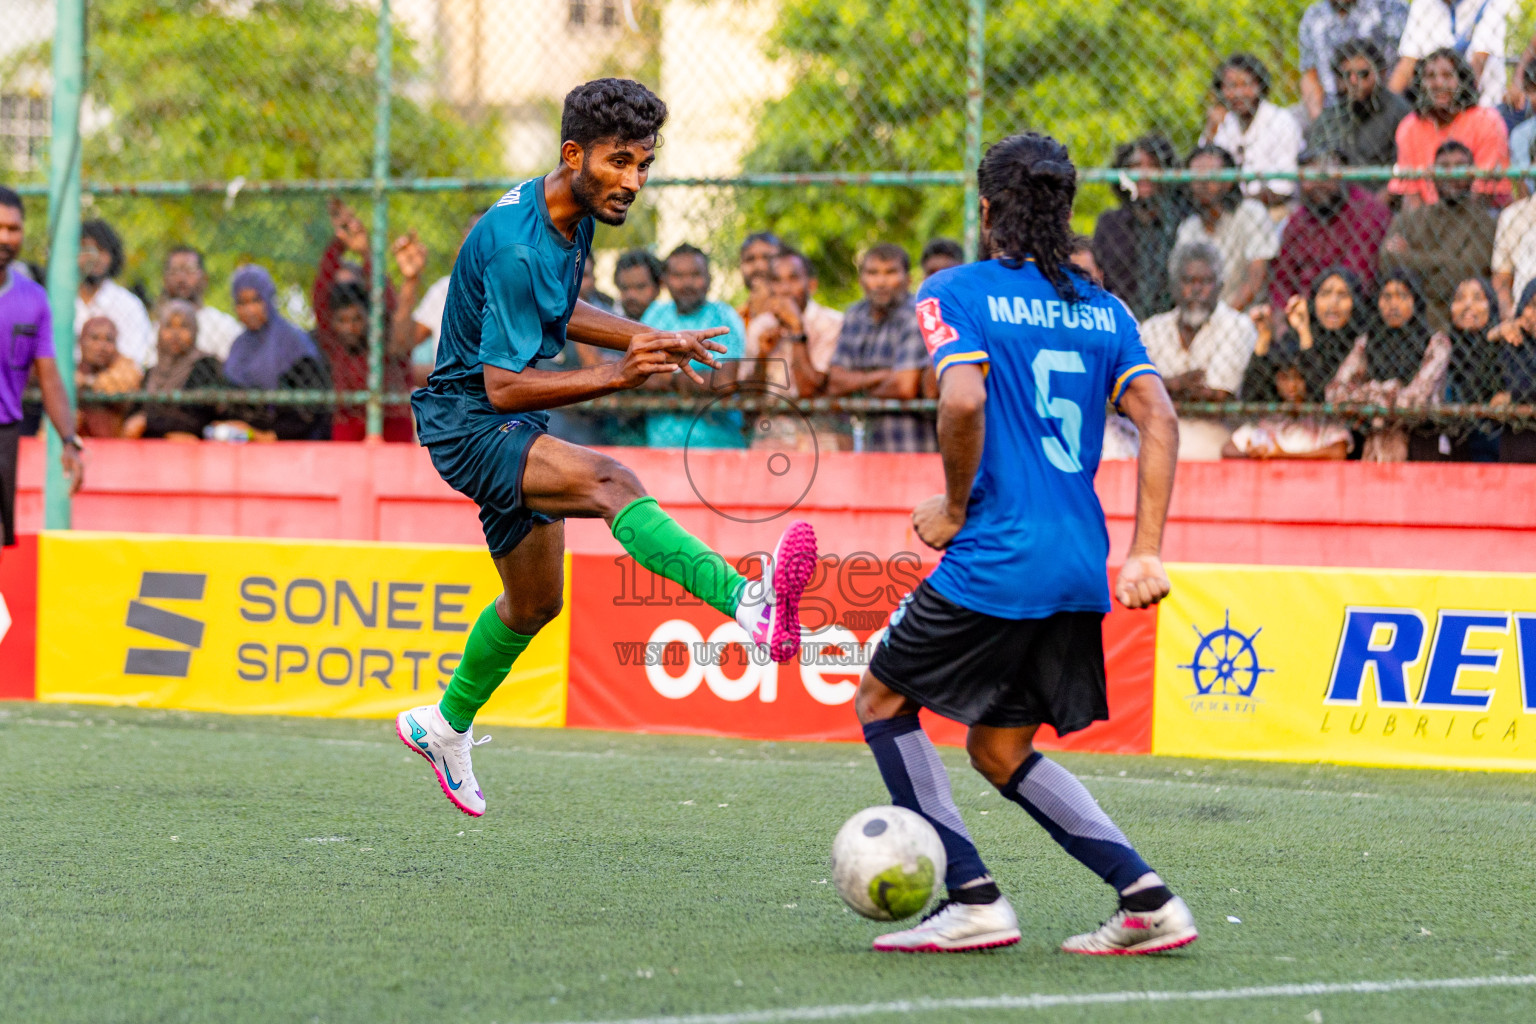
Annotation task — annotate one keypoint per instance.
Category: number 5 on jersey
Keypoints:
(1070, 414)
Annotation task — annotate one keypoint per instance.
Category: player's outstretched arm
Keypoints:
(531, 388)
(962, 432)
(1143, 582)
(605, 330)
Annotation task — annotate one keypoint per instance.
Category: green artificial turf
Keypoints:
(161, 866)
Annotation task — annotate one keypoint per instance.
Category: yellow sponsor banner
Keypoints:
(331, 628)
(1375, 667)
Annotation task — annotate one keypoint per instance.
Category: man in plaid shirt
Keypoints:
(881, 354)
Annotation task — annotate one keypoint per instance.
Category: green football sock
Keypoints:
(661, 545)
(488, 656)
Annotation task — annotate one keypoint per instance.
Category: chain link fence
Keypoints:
(1319, 211)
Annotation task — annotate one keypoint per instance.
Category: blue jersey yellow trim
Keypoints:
(959, 357)
(1128, 376)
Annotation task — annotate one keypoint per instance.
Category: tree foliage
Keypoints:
(880, 85)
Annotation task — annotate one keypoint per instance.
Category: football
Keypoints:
(886, 862)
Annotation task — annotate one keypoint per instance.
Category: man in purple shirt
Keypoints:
(26, 340)
(1338, 224)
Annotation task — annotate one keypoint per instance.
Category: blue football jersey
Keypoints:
(512, 292)
(1034, 541)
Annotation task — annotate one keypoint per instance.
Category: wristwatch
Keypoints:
(73, 441)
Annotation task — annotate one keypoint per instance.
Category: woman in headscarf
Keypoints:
(180, 366)
(1466, 360)
(270, 355)
(1517, 359)
(1328, 324)
(1276, 374)
(1389, 362)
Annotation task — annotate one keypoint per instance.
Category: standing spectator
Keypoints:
(756, 264)
(1446, 242)
(348, 237)
(1362, 122)
(1201, 346)
(180, 366)
(1514, 243)
(101, 260)
(687, 279)
(589, 292)
(1389, 365)
(105, 371)
(1522, 139)
(1276, 374)
(184, 279)
(1446, 110)
(880, 353)
(26, 326)
(1330, 24)
(1472, 29)
(272, 354)
(795, 338)
(1258, 134)
(940, 254)
(419, 331)
(1337, 223)
(345, 347)
(638, 279)
(1132, 244)
(1239, 228)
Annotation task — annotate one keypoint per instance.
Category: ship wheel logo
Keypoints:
(1225, 661)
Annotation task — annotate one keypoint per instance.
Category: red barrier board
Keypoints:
(18, 619)
(646, 657)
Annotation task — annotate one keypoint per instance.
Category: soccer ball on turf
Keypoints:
(886, 862)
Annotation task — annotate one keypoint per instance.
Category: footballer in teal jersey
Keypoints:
(1005, 635)
(512, 301)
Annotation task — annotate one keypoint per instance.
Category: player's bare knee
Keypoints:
(529, 613)
(614, 485)
(995, 762)
(875, 702)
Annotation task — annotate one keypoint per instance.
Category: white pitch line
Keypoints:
(1047, 1002)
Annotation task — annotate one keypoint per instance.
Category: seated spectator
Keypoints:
(1327, 323)
(1200, 347)
(1446, 110)
(1514, 249)
(1276, 374)
(105, 371)
(690, 309)
(1473, 29)
(1388, 364)
(1259, 135)
(184, 279)
(1082, 259)
(348, 236)
(1329, 25)
(180, 366)
(638, 279)
(940, 254)
(1337, 224)
(1239, 228)
(790, 347)
(1470, 374)
(589, 292)
(420, 330)
(1362, 123)
(1445, 242)
(345, 347)
(101, 260)
(880, 353)
(272, 354)
(1522, 139)
(1517, 359)
(756, 265)
(1132, 244)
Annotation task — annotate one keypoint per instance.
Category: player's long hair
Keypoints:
(1029, 183)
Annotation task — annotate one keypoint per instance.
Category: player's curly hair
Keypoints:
(611, 109)
(1029, 182)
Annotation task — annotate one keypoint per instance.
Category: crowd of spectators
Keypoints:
(1381, 288)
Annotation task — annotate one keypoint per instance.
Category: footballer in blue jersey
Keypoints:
(1005, 635)
(512, 302)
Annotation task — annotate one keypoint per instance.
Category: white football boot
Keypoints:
(425, 731)
(769, 609)
(1130, 932)
(956, 928)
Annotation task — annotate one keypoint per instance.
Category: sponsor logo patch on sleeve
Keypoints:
(930, 321)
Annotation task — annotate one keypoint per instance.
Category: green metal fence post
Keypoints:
(64, 232)
(383, 76)
(975, 73)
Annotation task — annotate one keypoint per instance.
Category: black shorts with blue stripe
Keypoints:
(487, 468)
